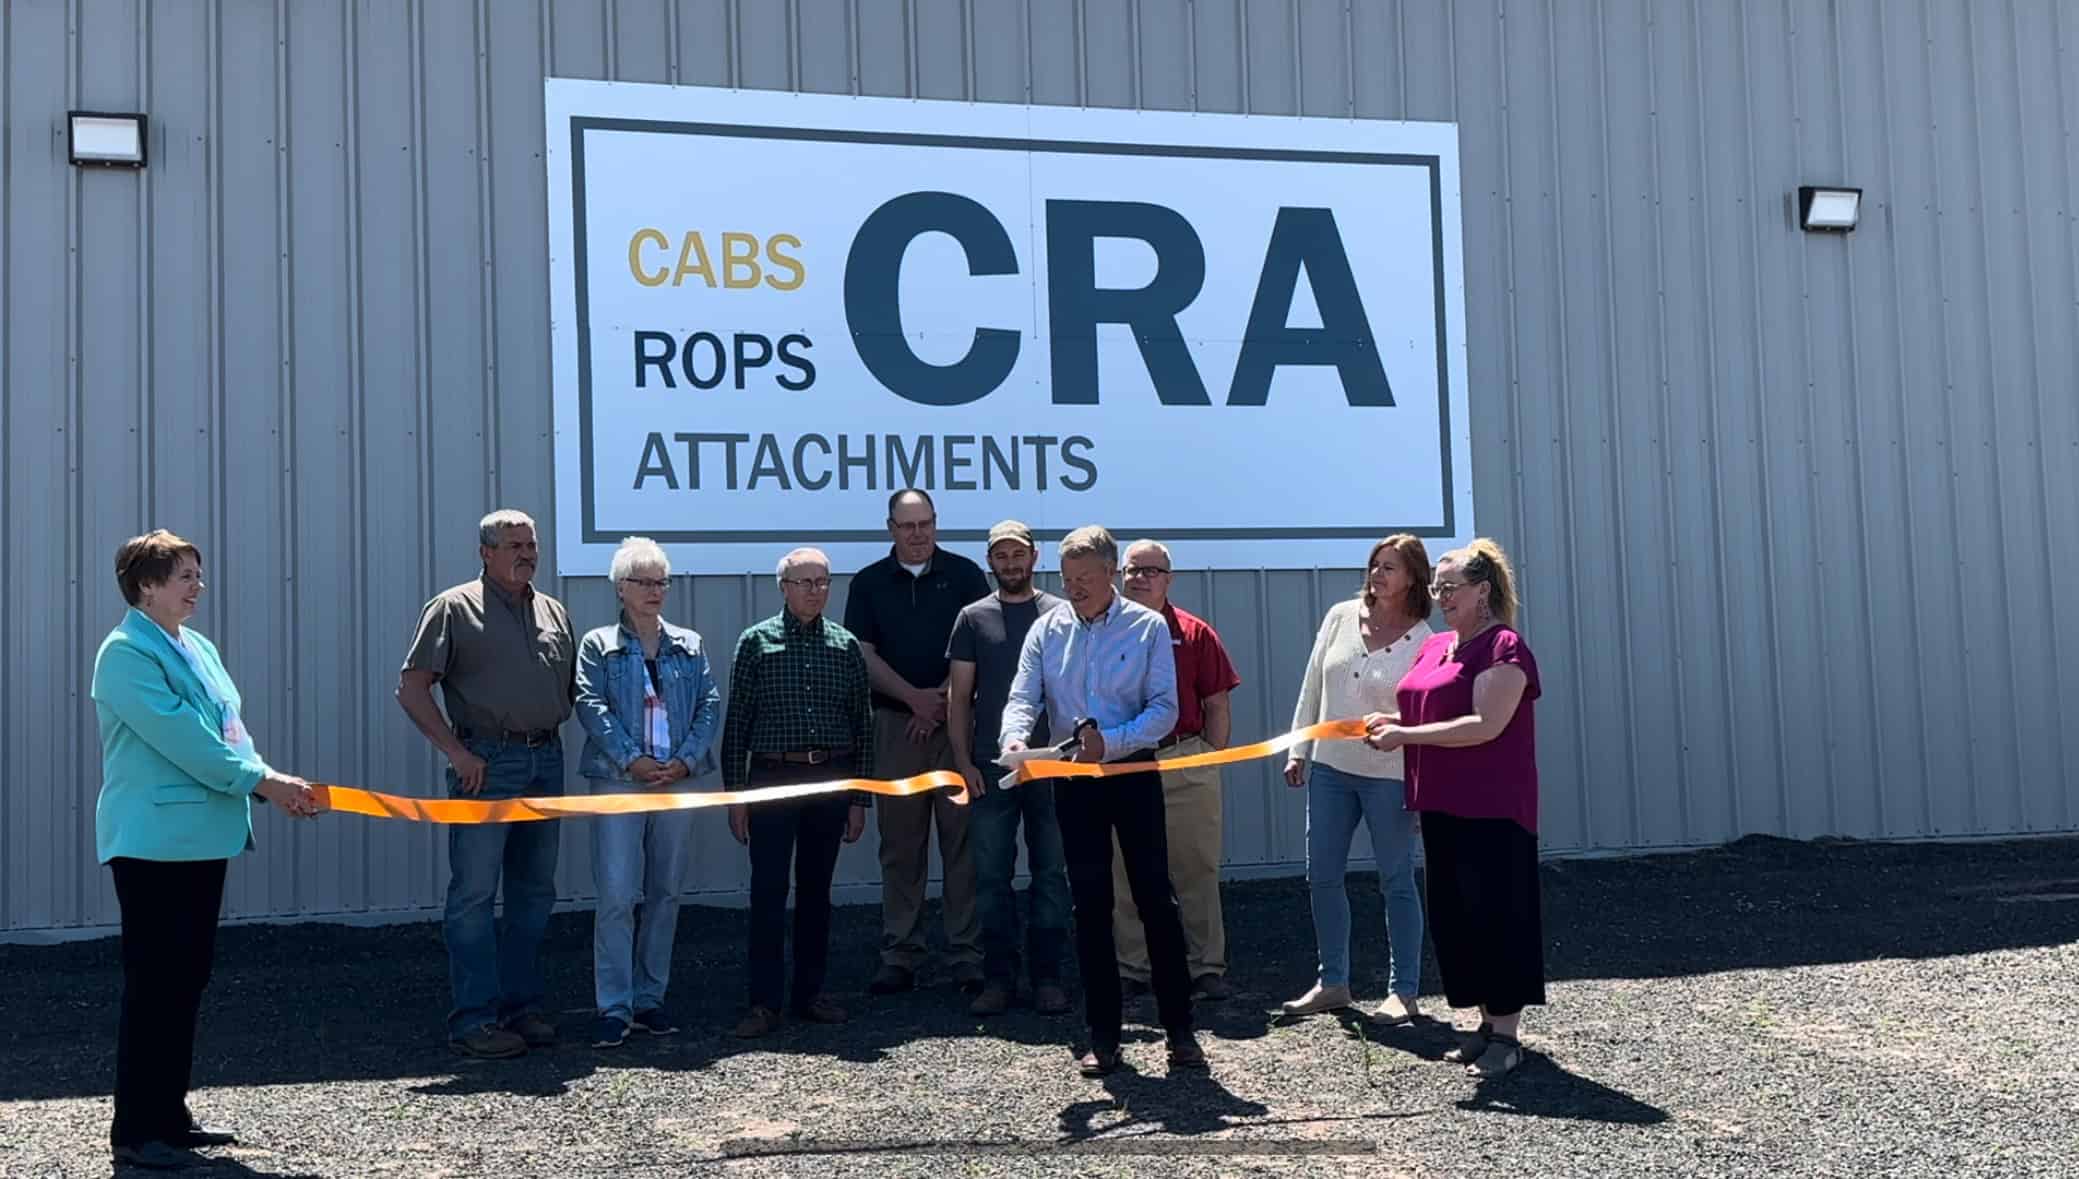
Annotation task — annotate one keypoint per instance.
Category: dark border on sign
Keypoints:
(580, 124)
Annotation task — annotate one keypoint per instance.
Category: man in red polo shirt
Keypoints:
(1190, 798)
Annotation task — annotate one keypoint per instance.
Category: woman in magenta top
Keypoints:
(1466, 723)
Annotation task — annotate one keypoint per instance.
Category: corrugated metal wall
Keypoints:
(1783, 502)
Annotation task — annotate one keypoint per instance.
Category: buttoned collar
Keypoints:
(1110, 612)
(794, 626)
(524, 598)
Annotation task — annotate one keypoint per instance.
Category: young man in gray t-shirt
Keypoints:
(983, 651)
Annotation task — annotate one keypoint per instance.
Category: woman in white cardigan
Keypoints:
(1364, 647)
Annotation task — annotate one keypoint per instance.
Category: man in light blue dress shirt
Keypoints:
(1104, 675)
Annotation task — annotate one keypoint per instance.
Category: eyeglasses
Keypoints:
(648, 583)
(1135, 571)
(915, 525)
(814, 585)
(1441, 590)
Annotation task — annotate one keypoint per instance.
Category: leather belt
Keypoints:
(531, 738)
(805, 757)
(1174, 739)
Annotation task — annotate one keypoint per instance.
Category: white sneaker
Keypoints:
(1321, 998)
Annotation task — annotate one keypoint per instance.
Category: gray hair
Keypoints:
(1091, 540)
(491, 529)
(1157, 545)
(638, 554)
(802, 556)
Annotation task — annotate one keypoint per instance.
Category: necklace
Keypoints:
(1460, 642)
(1373, 629)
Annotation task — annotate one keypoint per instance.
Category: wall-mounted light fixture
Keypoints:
(1824, 209)
(98, 139)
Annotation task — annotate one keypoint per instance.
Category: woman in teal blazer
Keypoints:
(177, 772)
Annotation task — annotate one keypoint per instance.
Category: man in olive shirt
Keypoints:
(505, 658)
(902, 608)
(798, 712)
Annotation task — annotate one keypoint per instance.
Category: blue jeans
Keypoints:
(992, 834)
(495, 967)
(635, 858)
(1335, 801)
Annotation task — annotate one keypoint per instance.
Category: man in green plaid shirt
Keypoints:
(799, 711)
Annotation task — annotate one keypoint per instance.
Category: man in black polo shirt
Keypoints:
(902, 608)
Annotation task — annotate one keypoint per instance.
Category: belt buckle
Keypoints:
(817, 757)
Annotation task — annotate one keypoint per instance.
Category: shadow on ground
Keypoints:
(320, 1003)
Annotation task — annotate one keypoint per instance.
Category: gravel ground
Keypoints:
(1769, 1007)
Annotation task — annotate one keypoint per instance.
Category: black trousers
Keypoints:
(804, 833)
(169, 912)
(1485, 913)
(1090, 810)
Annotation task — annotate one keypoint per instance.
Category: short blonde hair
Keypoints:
(1484, 561)
(1091, 540)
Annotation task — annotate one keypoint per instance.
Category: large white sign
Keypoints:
(1242, 335)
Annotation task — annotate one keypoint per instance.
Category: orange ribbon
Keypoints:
(355, 801)
(1335, 730)
(375, 805)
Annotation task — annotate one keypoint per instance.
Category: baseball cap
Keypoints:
(1012, 530)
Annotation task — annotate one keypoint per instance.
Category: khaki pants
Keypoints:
(905, 826)
(1191, 823)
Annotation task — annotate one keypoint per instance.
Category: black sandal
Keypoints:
(1503, 1055)
(1472, 1046)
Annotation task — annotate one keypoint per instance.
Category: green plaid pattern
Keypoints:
(796, 686)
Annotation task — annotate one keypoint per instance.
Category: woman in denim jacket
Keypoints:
(651, 710)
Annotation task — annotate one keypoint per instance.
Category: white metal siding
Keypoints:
(1783, 503)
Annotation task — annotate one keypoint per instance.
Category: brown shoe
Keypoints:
(995, 999)
(533, 1028)
(1099, 1062)
(1049, 999)
(758, 1021)
(820, 1010)
(1184, 1053)
(489, 1042)
(1212, 988)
